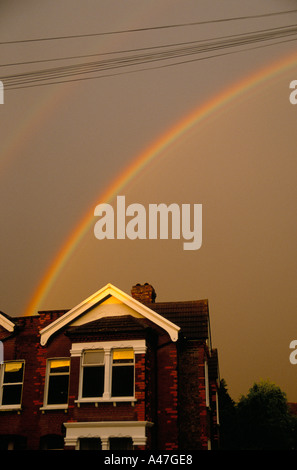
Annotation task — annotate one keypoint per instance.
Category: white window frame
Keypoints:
(116, 365)
(56, 406)
(77, 350)
(84, 365)
(16, 406)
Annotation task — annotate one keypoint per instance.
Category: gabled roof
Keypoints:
(122, 324)
(6, 322)
(191, 316)
(98, 299)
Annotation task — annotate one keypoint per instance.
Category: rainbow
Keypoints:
(32, 121)
(154, 151)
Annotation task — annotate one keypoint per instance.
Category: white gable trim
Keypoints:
(5, 323)
(99, 296)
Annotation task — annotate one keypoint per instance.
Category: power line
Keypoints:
(147, 56)
(83, 56)
(147, 68)
(152, 28)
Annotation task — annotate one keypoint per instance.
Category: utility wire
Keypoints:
(83, 56)
(152, 28)
(147, 56)
(145, 69)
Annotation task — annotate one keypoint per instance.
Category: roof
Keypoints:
(191, 316)
(6, 322)
(97, 300)
(123, 323)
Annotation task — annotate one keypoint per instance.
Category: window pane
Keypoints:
(94, 357)
(13, 372)
(120, 443)
(12, 442)
(123, 356)
(123, 381)
(90, 443)
(58, 390)
(52, 442)
(93, 381)
(12, 394)
(59, 366)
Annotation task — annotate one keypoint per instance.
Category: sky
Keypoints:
(211, 125)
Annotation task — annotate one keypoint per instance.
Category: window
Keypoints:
(120, 443)
(90, 443)
(93, 374)
(12, 383)
(52, 442)
(12, 442)
(58, 381)
(107, 374)
(107, 369)
(122, 373)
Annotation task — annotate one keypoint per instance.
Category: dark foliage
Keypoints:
(261, 420)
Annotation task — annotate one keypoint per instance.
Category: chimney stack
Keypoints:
(144, 293)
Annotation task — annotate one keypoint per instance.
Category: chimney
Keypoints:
(144, 293)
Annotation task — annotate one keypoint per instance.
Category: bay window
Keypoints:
(107, 370)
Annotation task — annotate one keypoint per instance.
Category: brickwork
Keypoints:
(144, 293)
(167, 397)
(170, 387)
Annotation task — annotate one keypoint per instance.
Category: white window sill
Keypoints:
(96, 401)
(54, 407)
(10, 407)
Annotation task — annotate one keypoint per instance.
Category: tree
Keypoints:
(264, 420)
(228, 419)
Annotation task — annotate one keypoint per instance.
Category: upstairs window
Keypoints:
(93, 374)
(58, 381)
(107, 374)
(12, 383)
(122, 373)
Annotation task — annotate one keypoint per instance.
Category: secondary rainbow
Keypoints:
(154, 151)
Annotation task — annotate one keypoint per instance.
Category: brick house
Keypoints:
(115, 372)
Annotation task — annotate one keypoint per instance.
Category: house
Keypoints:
(115, 372)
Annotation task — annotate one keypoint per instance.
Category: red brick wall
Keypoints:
(30, 422)
(167, 429)
(169, 387)
(192, 410)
